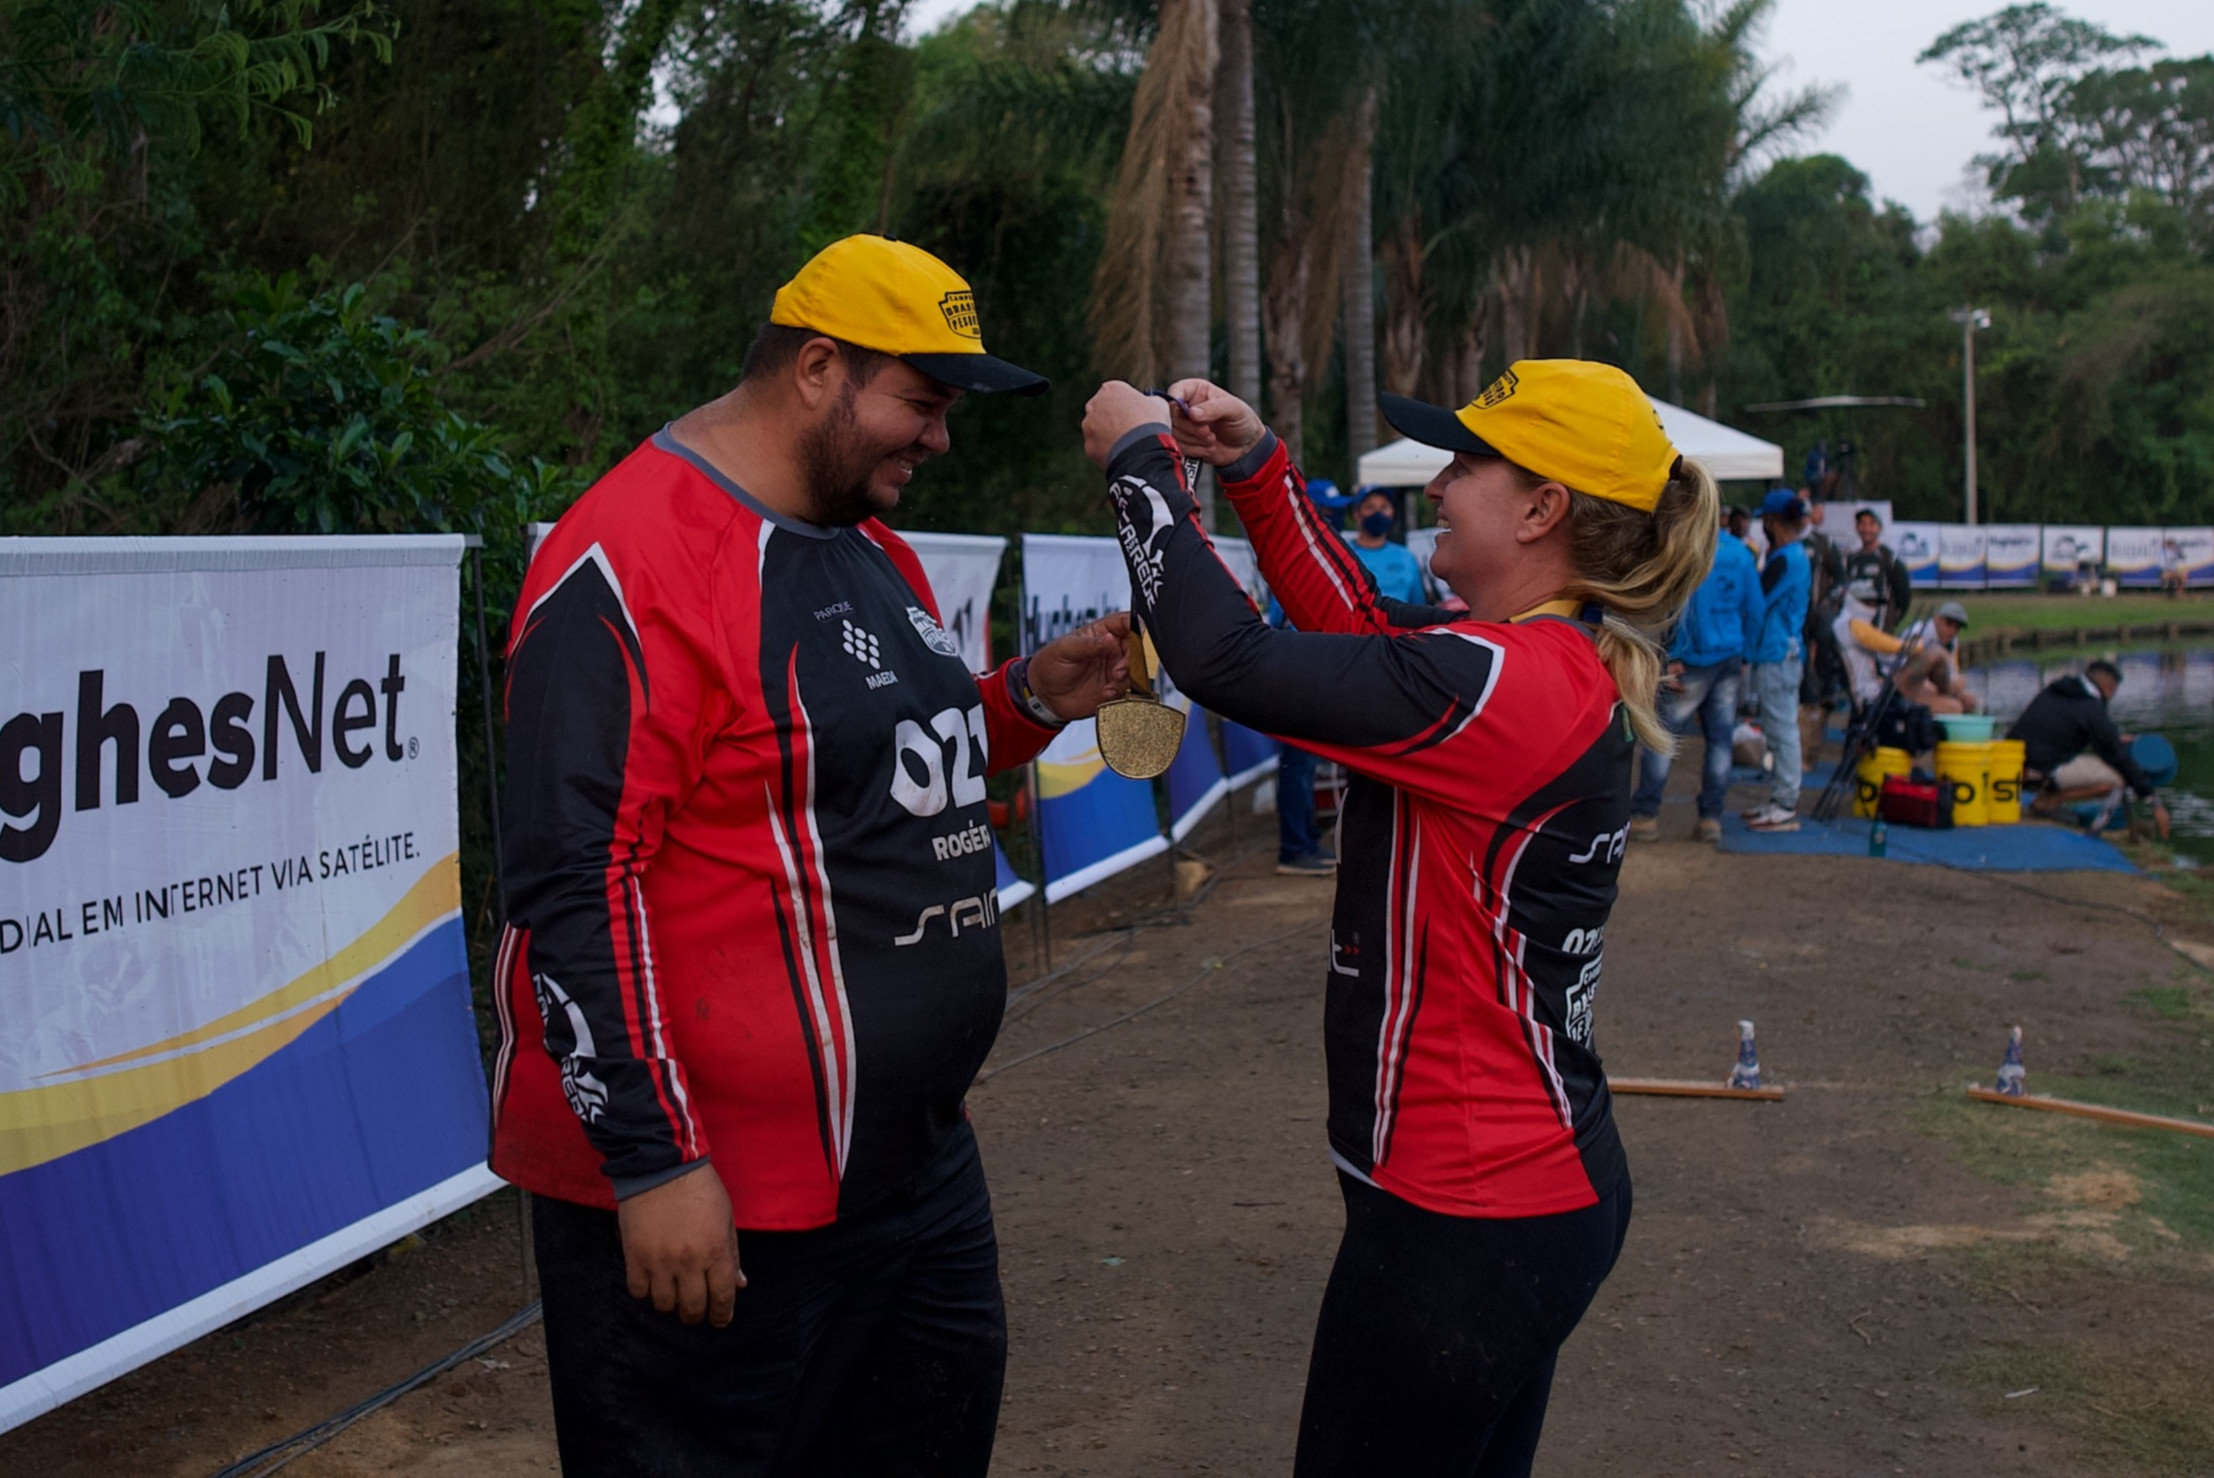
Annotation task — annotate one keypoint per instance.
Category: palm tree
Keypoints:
(1151, 309)
(1306, 59)
(1241, 225)
(1360, 283)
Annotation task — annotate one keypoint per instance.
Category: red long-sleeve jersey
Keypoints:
(1478, 845)
(749, 875)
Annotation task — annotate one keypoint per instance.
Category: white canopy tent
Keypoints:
(1728, 453)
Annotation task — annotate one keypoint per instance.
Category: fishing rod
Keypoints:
(1861, 735)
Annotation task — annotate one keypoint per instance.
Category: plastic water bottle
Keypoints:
(1879, 838)
(2013, 1079)
(1746, 1074)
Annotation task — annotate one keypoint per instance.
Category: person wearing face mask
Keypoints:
(1486, 1191)
(1398, 573)
(752, 959)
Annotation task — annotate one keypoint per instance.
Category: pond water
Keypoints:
(2168, 688)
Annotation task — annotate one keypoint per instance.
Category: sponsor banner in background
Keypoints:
(2194, 550)
(1960, 550)
(2067, 546)
(1094, 822)
(1248, 754)
(2133, 555)
(963, 570)
(2011, 555)
(1916, 544)
(236, 1048)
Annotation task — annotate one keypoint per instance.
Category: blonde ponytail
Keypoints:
(1642, 567)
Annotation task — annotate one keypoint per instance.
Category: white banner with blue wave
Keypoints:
(236, 1048)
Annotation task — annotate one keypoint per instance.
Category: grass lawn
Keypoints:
(2025, 611)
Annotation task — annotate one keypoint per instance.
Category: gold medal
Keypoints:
(1139, 734)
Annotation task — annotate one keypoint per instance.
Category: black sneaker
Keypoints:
(1312, 865)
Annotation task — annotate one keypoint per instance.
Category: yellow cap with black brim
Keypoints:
(1587, 426)
(899, 300)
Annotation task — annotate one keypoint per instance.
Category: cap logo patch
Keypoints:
(1498, 391)
(960, 311)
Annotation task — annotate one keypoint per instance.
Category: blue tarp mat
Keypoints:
(1811, 778)
(2030, 847)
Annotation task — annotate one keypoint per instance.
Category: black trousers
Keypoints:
(870, 1347)
(1434, 1352)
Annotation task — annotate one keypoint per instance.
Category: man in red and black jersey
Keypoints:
(753, 959)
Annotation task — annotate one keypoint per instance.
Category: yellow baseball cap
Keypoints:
(899, 300)
(1581, 424)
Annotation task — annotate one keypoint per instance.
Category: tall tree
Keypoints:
(1360, 282)
(1151, 308)
(1307, 58)
(1241, 224)
(2024, 61)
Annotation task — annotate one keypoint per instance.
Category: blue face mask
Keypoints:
(1376, 524)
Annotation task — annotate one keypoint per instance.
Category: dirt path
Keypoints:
(1851, 1281)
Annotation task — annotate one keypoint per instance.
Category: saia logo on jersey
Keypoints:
(980, 912)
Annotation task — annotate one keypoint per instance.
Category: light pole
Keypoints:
(1970, 319)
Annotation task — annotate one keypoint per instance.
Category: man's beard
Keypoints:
(838, 469)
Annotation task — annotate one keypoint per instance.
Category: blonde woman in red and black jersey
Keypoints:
(1486, 1192)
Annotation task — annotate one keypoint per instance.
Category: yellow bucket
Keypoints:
(2007, 760)
(1966, 768)
(1868, 777)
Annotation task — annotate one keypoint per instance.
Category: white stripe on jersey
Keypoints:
(503, 973)
(844, 1045)
(1399, 981)
(828, 1053)
(653, 1020)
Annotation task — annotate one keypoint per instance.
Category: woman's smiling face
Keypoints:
(1476, 518)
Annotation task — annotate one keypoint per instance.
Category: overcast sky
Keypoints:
(1905, 126)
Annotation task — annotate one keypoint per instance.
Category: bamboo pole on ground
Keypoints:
(2097, 1111)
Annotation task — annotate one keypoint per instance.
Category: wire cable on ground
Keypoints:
(278, 1454)
(1206, 969)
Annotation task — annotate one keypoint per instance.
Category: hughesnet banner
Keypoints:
(236, 1049)
(2012, 553)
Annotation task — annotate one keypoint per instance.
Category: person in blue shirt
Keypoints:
(1706, 660)
(1778, 654)
(1398, 573)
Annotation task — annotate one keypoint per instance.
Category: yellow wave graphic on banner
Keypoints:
(45, 1123)
(1059, 778)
